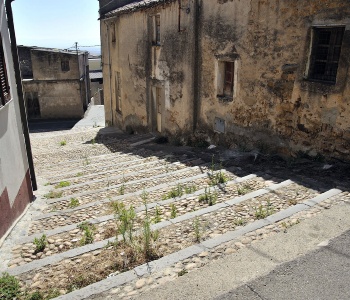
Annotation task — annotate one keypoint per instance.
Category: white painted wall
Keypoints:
(13, 159)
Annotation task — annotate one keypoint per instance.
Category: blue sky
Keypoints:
(50, 23)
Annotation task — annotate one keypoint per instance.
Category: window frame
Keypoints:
(5, 96)
(329, 61)
(65, 66)
(226, 68)
(156, 30)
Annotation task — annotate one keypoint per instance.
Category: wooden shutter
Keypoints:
(4, 86)
(229, 76)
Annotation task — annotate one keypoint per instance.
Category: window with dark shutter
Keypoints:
(229, 75)
(5, 95)
(157, 30)
(65, 65)
(325, 54)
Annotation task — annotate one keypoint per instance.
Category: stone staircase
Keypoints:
(197, 210)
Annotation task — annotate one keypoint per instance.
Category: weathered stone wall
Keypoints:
(273, 103)
(46, 65)
(57, 99)
(25, 61)
(144, 67)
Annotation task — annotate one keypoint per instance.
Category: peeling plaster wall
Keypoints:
(273, 102)
(144, 67)
(269, 41)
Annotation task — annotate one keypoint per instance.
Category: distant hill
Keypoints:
(92, 50)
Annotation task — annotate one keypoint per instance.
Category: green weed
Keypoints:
(197, 229)
(122, 189)
(190, 189)
(208, 197)
(158, 215)
(88, 233)
(243, 189)
(62, 184)
(52, 293)
(9, 287)
(173, 211)
(261, 212)
(35, 296)
(174, 192)
(79, 174)
(126, 219)
(73, 203)
(239, 222)
(63, 143)
(53, 195)
(40, 244)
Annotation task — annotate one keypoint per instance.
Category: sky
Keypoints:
(56, 24)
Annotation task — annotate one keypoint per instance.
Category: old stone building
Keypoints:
(261, 73)
(17, 177)
(56, 82)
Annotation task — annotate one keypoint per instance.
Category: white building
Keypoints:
(17, 178)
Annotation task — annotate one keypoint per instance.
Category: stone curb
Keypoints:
(99, 287)
(105, 218)
(142, 142)
(53, 201)
(98, 245)
(322, 197)
(166, 261)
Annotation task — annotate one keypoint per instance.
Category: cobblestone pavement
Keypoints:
(199, 206)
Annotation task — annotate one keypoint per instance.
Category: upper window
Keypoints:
(65, 65)
(114, 37)
(325, 54)
(156, 34)
(5, 95)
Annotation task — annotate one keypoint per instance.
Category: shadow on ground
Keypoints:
(51, 125)
(317, 174)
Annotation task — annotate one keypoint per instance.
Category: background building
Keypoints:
(56, 82)
(96, 79)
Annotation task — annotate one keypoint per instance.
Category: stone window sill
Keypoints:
(223, 98)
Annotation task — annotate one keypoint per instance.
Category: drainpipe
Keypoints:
(20, 92)
(110, 73)
(196, 64)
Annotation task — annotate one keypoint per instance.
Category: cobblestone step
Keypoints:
(86, 174)
(123, 176)
(69, 236)
(210, 220)
(86, 163)
(211, 210)
(131, 186)
(100, 207)
(54, 269)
